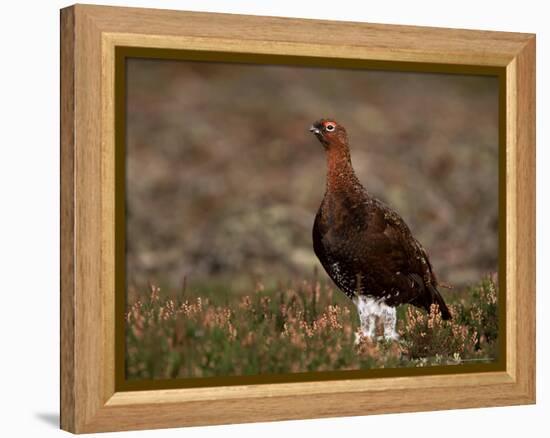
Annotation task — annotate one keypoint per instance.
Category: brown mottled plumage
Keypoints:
(366, 247)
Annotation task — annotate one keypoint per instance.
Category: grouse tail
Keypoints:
(438, 299)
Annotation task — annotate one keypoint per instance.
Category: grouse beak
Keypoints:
(314, 130)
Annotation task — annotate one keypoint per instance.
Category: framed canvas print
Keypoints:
(267, 218)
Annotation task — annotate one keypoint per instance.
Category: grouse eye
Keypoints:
(330, 128)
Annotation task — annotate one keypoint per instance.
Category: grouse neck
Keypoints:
(340, 173)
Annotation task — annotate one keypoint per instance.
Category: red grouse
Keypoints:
(366, 248)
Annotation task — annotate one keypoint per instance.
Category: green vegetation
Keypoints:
(307, 327)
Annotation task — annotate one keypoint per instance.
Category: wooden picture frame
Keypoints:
(91, 400)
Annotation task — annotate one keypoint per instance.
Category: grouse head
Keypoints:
(329, 133)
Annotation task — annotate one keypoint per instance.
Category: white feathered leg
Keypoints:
(369, 309)
(389, 317)
(367, 317)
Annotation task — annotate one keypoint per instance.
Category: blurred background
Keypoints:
(224, 179)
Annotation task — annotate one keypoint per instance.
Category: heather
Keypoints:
(302, 327)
